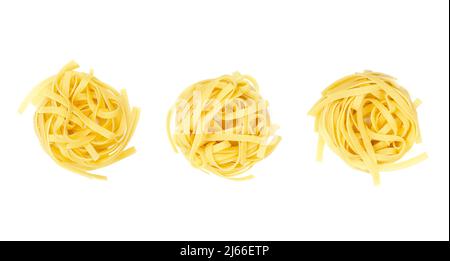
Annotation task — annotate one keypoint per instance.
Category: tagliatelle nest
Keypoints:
(369, 121)
(222, 125)
(81, 122)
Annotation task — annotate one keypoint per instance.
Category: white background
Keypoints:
(156, 49)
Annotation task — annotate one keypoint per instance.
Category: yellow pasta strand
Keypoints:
(369, 121)
(222, 126)
(81, 122)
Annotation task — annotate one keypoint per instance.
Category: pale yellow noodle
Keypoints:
(81, 122)
(369, 121)
(216, 139)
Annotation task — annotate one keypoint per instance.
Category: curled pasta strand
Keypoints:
(369, 121)
(222, 126)
(81, 122)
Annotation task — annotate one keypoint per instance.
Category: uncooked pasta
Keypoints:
(81, 122)
(369, 121)
(222, 126)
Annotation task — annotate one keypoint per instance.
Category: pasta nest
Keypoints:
(222, 126)
(369, 121)
(81, 122)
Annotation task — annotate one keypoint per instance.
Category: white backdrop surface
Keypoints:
(155, 49)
